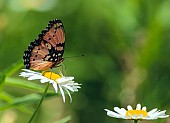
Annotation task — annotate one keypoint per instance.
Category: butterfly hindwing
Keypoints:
(46, 51)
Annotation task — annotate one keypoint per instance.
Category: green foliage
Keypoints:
(126, 46)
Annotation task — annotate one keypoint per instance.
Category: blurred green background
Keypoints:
(127, 57)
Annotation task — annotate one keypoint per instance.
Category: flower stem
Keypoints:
(33, 115)
(135, 121)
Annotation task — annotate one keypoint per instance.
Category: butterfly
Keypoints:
(46, 51)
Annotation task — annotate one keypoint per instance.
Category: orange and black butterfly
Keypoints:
(46, 51)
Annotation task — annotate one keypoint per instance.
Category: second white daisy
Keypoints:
(59, 82)
(139, 113)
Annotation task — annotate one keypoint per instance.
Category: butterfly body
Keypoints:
(46, 51)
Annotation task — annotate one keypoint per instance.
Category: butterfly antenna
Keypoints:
(73, 56)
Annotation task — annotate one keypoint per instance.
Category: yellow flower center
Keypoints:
(51, 75)
(137, 113)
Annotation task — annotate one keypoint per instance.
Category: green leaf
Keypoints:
(9, 71)
(13, 81)
(13, 68)
(18, 102)
(28, 99)
(2, 78)
(9, 98)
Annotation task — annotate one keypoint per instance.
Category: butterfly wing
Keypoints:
(54, 34)
(47, 50)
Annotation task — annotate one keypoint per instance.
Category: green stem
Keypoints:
(135, 121)
(33, 115)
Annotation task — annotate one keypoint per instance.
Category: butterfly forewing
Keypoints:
(55, 33)
(47, 50)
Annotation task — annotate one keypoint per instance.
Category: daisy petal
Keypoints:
(62, 93)
(68, 87)
(123, 111)
(55, 86)
(129, 107)
(152, 111)
(144, 108)
(63, 79)
(120, 111)
(44, 80)
(69, 95)
(138, 107)
(164, 116)
(112, 114)
(35, 77)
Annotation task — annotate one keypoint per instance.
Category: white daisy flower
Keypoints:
(59, 82)
(139, 113)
